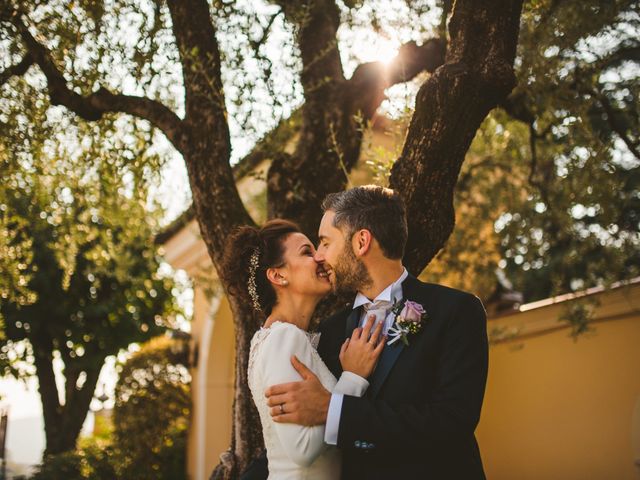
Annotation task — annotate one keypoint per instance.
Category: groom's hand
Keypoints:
(305, 402)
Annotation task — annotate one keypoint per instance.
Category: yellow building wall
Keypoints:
(561, 409)
(554, 408)
(213, 398)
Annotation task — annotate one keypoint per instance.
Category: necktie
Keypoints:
(379, 308)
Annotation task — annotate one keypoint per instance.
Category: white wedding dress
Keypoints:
(294, 451)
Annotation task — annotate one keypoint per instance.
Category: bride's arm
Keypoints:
(302, 444)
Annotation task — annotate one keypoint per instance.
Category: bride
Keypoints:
(273, 268)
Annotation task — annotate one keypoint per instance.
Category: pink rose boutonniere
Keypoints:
(410, 317)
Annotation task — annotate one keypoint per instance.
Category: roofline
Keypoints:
(575, 295)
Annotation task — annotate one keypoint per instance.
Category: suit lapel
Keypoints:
(388, 358)
(331, 341)
(352, 322)
(390, 353)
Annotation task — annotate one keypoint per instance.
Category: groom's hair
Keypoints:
(377, 209)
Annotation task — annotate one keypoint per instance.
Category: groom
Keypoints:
(418, 416)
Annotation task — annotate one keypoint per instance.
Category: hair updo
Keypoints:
(268, 242)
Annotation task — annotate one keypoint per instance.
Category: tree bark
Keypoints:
(51, 408)
(18, 69)
(215, 197)
(334, 114)
(61, 421)
(477, 74)
(70, 423)
(206, 147)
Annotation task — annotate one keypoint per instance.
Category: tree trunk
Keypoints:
(335, 112)
(63, 422)
(51, 408)
(450, 106)
(71, 420)
(246, 436)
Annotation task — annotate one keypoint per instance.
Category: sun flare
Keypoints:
(379, 49)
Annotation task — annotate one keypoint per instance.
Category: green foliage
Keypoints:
(579, 225)
(146, 438)
(152, 411)
(550, 192)
(77, 223)
(15, 257)
(92, 460)
(577, 315)
(90, 276)
(64, 465)
(76, 227)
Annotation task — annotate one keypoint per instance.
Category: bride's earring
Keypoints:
(285, 282)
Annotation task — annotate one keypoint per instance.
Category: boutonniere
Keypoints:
(409, 319)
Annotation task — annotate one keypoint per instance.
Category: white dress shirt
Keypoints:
(390, 294)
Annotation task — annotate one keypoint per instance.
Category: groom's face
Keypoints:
(346, 272)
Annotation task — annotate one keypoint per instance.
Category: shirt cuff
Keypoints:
(333, 418)
(351, 384)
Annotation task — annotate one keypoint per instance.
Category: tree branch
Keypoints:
(217, 202)
(369, 80)
(256, 44)
(625, 53)
(450, 106)
(95, 105)
(516, 107)
(195, 36)
(615, 125)
(294, 191)
(332, 126)
(542, 186)
(317, 25)
(413, 59)
(18, 69)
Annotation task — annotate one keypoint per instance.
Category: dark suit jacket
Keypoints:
(418, 416)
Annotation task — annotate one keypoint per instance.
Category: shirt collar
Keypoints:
(393, 291)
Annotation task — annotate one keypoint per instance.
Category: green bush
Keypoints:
(152, 412)
(148, 438)
(65, 465)
(93, 460)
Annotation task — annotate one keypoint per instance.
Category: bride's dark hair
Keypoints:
(265, 244)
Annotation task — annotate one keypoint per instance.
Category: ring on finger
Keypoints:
(281, 408)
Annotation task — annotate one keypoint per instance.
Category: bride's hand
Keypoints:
(359, 354)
